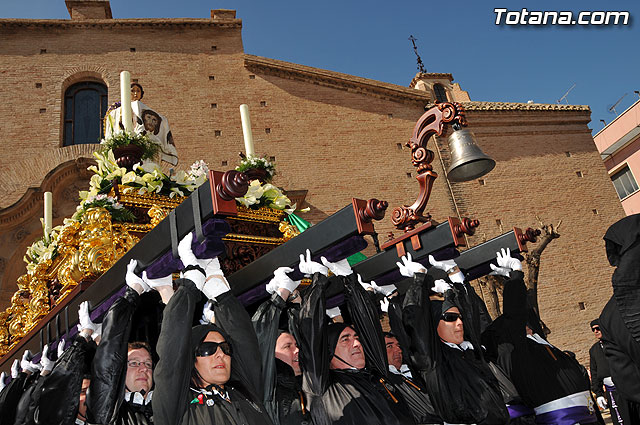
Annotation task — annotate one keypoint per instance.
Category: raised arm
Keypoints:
(265, 323)
(107, 387)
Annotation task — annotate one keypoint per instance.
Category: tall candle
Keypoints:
(48, 214)
(125, 99)
(246, 130)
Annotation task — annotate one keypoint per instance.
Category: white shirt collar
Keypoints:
(540, 340)
(465, 345)
(138, 398)
(404, 370)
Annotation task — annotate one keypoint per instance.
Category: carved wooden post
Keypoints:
(432, 122)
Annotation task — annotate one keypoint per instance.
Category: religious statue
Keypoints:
(145, 121)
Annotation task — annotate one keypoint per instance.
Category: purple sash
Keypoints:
(517, 410)
(567, 416)
(611, 389)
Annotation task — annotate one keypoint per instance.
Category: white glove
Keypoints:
(207, 314)
(444, 265)
(499, 271)
(189, 259)
(441, 286)
(45, 361)
(160, 281)
(385, 290)
(384, 305)
(339, 268)
(27, 365)
(281, 280)
(85, 319)
(61, 348)
(309, 267)
(602, 402)
(365, 285)
(3, 377)
(211, 266)
(333, 312)
(15, 369)
(133, 280)
(505, 259)
(97, 333)
(271, 287)
(215, 286)
(408, 267)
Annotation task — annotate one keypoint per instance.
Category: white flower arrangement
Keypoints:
(268, 195)
(257, 162)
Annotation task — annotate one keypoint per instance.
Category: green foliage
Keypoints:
(150, 149)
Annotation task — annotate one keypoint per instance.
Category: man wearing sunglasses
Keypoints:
(456, 376)
(601, 383)
(211, 373)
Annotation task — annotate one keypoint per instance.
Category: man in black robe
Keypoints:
(339, 388)
(601, 383)
(620, 318)
(281, 374)
(462, 387)
(207, 374)
(547, 379)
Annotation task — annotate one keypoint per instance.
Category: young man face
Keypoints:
(451, 331)
(216, 367)
(287, 351)
(139, 370)
(596, 331)
(82, 406)
(348, 349)
(394, 352)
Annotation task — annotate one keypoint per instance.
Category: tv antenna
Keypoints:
(612, 108)
(421, 67)
(564, 97)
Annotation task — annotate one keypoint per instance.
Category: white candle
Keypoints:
(125, 99)
(246, 130)
(48, 214)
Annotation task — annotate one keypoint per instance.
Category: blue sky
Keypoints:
(370, 39)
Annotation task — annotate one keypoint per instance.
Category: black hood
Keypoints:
(622, 242)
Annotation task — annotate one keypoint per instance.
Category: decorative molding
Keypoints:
(121, 23)
(337, 80)
(430, 76)
(513, 106)
(32, 198)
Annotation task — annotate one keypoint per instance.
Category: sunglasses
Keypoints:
(595, 329)
(209, 348)
(451, 317)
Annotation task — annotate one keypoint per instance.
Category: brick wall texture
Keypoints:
(336, 136)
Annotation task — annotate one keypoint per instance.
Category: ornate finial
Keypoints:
(421, 67)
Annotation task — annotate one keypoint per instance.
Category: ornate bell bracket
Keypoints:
(433, 121)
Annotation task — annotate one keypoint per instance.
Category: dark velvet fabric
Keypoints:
(213, 230)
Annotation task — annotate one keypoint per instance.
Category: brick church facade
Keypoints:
(333, 135)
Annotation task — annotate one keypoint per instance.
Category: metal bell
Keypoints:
(468, 162)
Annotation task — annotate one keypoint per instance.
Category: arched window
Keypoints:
(439, 91)
(85, 104)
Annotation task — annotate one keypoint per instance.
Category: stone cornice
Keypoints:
(430, 76)
(335, 80)
(513, 106)
(121, 23)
